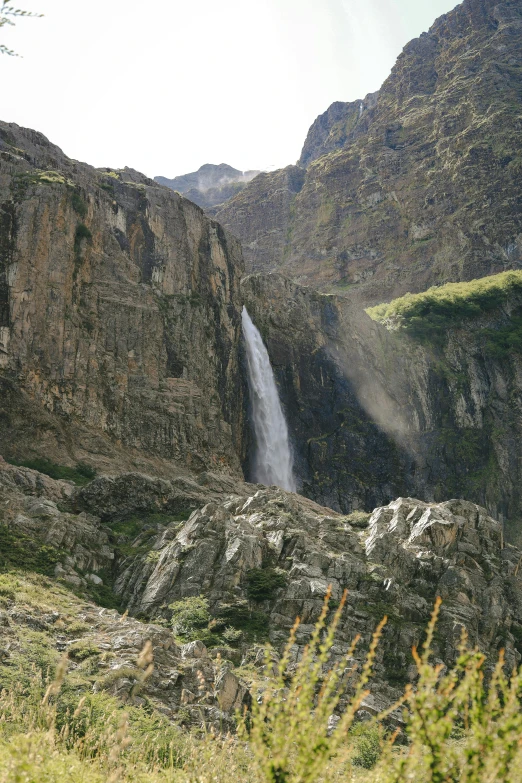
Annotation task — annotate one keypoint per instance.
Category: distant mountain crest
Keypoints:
(210, 185)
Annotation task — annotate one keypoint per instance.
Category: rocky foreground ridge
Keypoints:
(260, 557)
(414, 186)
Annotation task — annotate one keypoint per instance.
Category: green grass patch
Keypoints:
(81, 474)
(21, 552)
(427, 316)
(42, 177)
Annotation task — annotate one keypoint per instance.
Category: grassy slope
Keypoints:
(61, 731)
(428, 315)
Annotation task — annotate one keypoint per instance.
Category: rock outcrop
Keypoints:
(339, 124)
(273, 555)
(260, 216)
(420, 189)
(259, 557)
(120, 318)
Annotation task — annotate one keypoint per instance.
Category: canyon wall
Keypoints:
(374, 413)
(120, 318)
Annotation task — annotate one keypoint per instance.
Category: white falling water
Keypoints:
(273, 463)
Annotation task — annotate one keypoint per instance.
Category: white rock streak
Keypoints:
(273, 459)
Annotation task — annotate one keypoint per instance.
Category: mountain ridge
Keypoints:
(423, 189)
(210, 185)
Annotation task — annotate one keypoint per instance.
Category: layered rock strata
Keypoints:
(120, 318)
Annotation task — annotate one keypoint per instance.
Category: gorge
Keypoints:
(207, 419)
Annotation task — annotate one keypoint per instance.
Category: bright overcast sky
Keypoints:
(168, 85)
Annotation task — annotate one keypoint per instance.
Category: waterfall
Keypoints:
(273, 460)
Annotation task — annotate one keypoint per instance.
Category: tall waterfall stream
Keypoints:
(273, 460)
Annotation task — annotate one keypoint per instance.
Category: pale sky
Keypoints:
(168, 85)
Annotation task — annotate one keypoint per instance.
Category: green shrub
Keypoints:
(358, 518)
(77, 628)
(79, 651)
(78, 204)
(81, 233)
(103, 595)
(427, 316)
(21, 552)
(191, 620)
(368, 744)
(8, 584)
(81, 474)
(263, 583)
(239, 615)
(189, 615)
(232, 635)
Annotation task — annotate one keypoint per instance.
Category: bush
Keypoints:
(263, 583)
(78, 204)
(428, 316)
(19, 551)
(358, 519)
(368, 744)
(81, 233)
(189, 614)
(80, 651)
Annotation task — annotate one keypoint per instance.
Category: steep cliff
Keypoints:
(374, 413)
(120, 318)
(414, 187)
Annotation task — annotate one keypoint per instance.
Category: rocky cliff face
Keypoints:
(266, 207)
(374, 414)
(120, 318)
(419, 188)
(340, 124)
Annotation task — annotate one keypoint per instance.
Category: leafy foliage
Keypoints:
(19, 551)
(81, 233)
(262, 583)
(289, 729)
(189, 614)
(461, 726)
(78, 204)
(427, 316)
(191, 619)
(7, 15)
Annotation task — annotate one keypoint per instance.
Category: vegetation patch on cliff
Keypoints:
(81, 474)
(428, 315)
(19, 551)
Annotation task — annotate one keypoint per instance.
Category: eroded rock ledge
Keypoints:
(394, 562)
